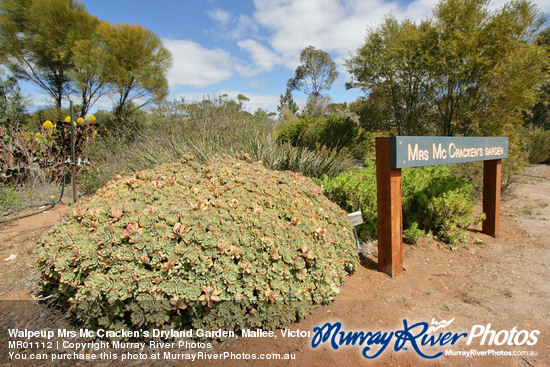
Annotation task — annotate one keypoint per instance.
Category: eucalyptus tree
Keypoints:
(316, 72)
(37, 39)
(137, 62)
(467, 70)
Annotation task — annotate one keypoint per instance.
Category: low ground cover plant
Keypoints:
(225, 245)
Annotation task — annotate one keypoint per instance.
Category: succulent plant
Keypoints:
(228, 245)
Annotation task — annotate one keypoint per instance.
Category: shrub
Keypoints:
(36, 158)
(295, 132)
(228, 245)
(438, 202)
(149, 150)
(17, 161)
(433, 200)
(285, 157)
(334, 132)
(356, 191)
(412, 234)
(337, 132)
(537, 144)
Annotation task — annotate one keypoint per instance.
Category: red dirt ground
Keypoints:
(502, 282)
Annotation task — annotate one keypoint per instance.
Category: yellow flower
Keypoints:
(68, 119)
(47, 125)
(38, 135)
(80, 121)
(95, 132)
(91, 118)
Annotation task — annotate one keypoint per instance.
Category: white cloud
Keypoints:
(336, 26)
(332, 25)
(266, 102)
(220, 15)
(263, 57)
(242, 25)
(231, 27)
(197, 66)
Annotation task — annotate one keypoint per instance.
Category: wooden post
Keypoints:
(492, 179)
(390, 214)
(73, 157)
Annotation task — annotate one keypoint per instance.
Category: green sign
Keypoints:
(418, 151)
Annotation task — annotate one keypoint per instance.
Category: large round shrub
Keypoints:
(228, 245)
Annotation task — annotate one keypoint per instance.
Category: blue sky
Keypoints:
(252, 47)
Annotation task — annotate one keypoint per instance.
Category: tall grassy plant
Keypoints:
(207, 130)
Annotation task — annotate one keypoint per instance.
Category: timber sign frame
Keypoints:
(396, 152)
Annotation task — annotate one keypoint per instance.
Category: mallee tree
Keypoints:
(465, 71)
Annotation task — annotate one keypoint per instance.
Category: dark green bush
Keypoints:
(334, 132)
(537, 144)
(228, 245)
(338, 132)
(294, 132)
(433, 200)
(438, 202)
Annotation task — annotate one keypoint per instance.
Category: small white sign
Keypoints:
(356, 218)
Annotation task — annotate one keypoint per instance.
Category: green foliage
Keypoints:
(228, 245)
(537, 144)
(390, 67)
(438, 202)
(318, 105)
(412, 234)
(60, 47)
(337, 132)
(25, 196)
(90, 74)
(12, 104)
(294, 132)
(365, 142)
(10, 199)
(137, 62)
(285, 157)
(287, 102)
(37, 38)
(206, 130)
(334, 132)
(465, 71)
(356, 191)
(316, 72)
(433, 200)
(36, 119)
(538, 115)
(472, 173)
(39, 158)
